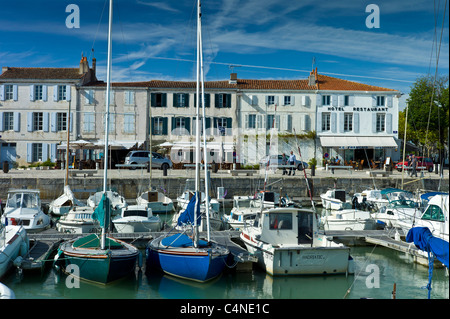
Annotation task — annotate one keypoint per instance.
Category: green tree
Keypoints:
(428, 113)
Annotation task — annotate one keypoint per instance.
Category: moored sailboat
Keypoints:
(100, 258)
(181, 255)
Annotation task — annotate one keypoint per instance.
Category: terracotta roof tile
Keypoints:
(335, 84)
(42, 73)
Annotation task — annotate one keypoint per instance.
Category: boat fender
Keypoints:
(23, 249)
(351, 266)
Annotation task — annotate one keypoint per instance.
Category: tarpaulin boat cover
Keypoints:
(424, 240)
(181, 240)
(187, 217)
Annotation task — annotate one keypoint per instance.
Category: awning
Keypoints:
(355, 142)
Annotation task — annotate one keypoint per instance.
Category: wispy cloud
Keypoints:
(158, 5)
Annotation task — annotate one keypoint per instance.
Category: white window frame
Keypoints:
(348, 122)
(381, 122)
(326, 122)
(326, 100)
(61, 121)
(129, 123)
(89, 122)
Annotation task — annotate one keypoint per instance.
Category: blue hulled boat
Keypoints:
(181, 255)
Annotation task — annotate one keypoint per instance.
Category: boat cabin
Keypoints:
(23, 198)
(287, 226)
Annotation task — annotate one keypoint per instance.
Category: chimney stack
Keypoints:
(94, 65)
(233, 78)
(84, 65)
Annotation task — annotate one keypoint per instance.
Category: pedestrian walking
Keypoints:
(414, 166)
(284, 161)
(292, 163)
(408, 166)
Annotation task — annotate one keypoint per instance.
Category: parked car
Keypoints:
(142, 157)
(423, 163)
(276, 160)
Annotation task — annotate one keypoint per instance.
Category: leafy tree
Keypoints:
(428, 113)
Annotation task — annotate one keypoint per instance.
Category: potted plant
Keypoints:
(312, 163)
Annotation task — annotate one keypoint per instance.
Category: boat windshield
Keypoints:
(133, 212)
(22, 200)
(244, 203)
(403, 203)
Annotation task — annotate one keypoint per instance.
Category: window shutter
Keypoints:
(1, 122)
(351, 100)
(44, 93)
(374, 122)
(333, 122)
(267, 99)
(289, 123)
(32, 92)
(55, 93)
(44, 152)
(68, 93)
(216, 101)
(318, 100)
(292, 100)
(374, 100)
(165, 126)
(246, 121)
(207, 100)
(334, 100)
(228, 100)
(53, 148)
(29, 152)
(15, 93)
(53, 122)
(186, 100)
(356, 122)
(30, 121)
(175, 100)
(174, 123)
(276, 100)
(164, 100)
(306, 122)
(388, 123)
(45, 122)
(2, 92)
(389, 101)
(187, 124)
(153, 99)
(16, 121)
(341, 122)
(229, 122)
(341, 100)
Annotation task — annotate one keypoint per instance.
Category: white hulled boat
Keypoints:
(13, 244)
(156, 201)
(137, 218)
(348, 219)
(335, 199)
(286, 241)
(23, 207)
(78, 221)
(64, 203)
(244, 211)
(116, 200)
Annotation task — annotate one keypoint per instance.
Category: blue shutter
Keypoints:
(44, 93)
(1, 122)
(2, 92)
(165, 126)
(71, 122)
(389, 123)
(55, 93)
(16, 121)
(68, 93)
(356, 122)
(53, 148)
(32, 88)
(45, 122)
(53, 122)
(15, 93)
(29, 152)
(44, 152)
(30, 121)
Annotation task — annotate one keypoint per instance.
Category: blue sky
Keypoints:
(266, 39)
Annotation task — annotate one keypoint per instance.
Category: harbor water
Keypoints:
(377, 271)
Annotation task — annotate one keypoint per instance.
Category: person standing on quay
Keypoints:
(414, 166)
(291, 162)
(284, 161)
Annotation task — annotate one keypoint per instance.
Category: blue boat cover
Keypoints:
(181, 240)
(187, 217)
(424, 240)
(427, 196)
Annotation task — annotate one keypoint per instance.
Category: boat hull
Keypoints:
(13, 243)
(298, 260)
(202, 264)
(96, 265)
